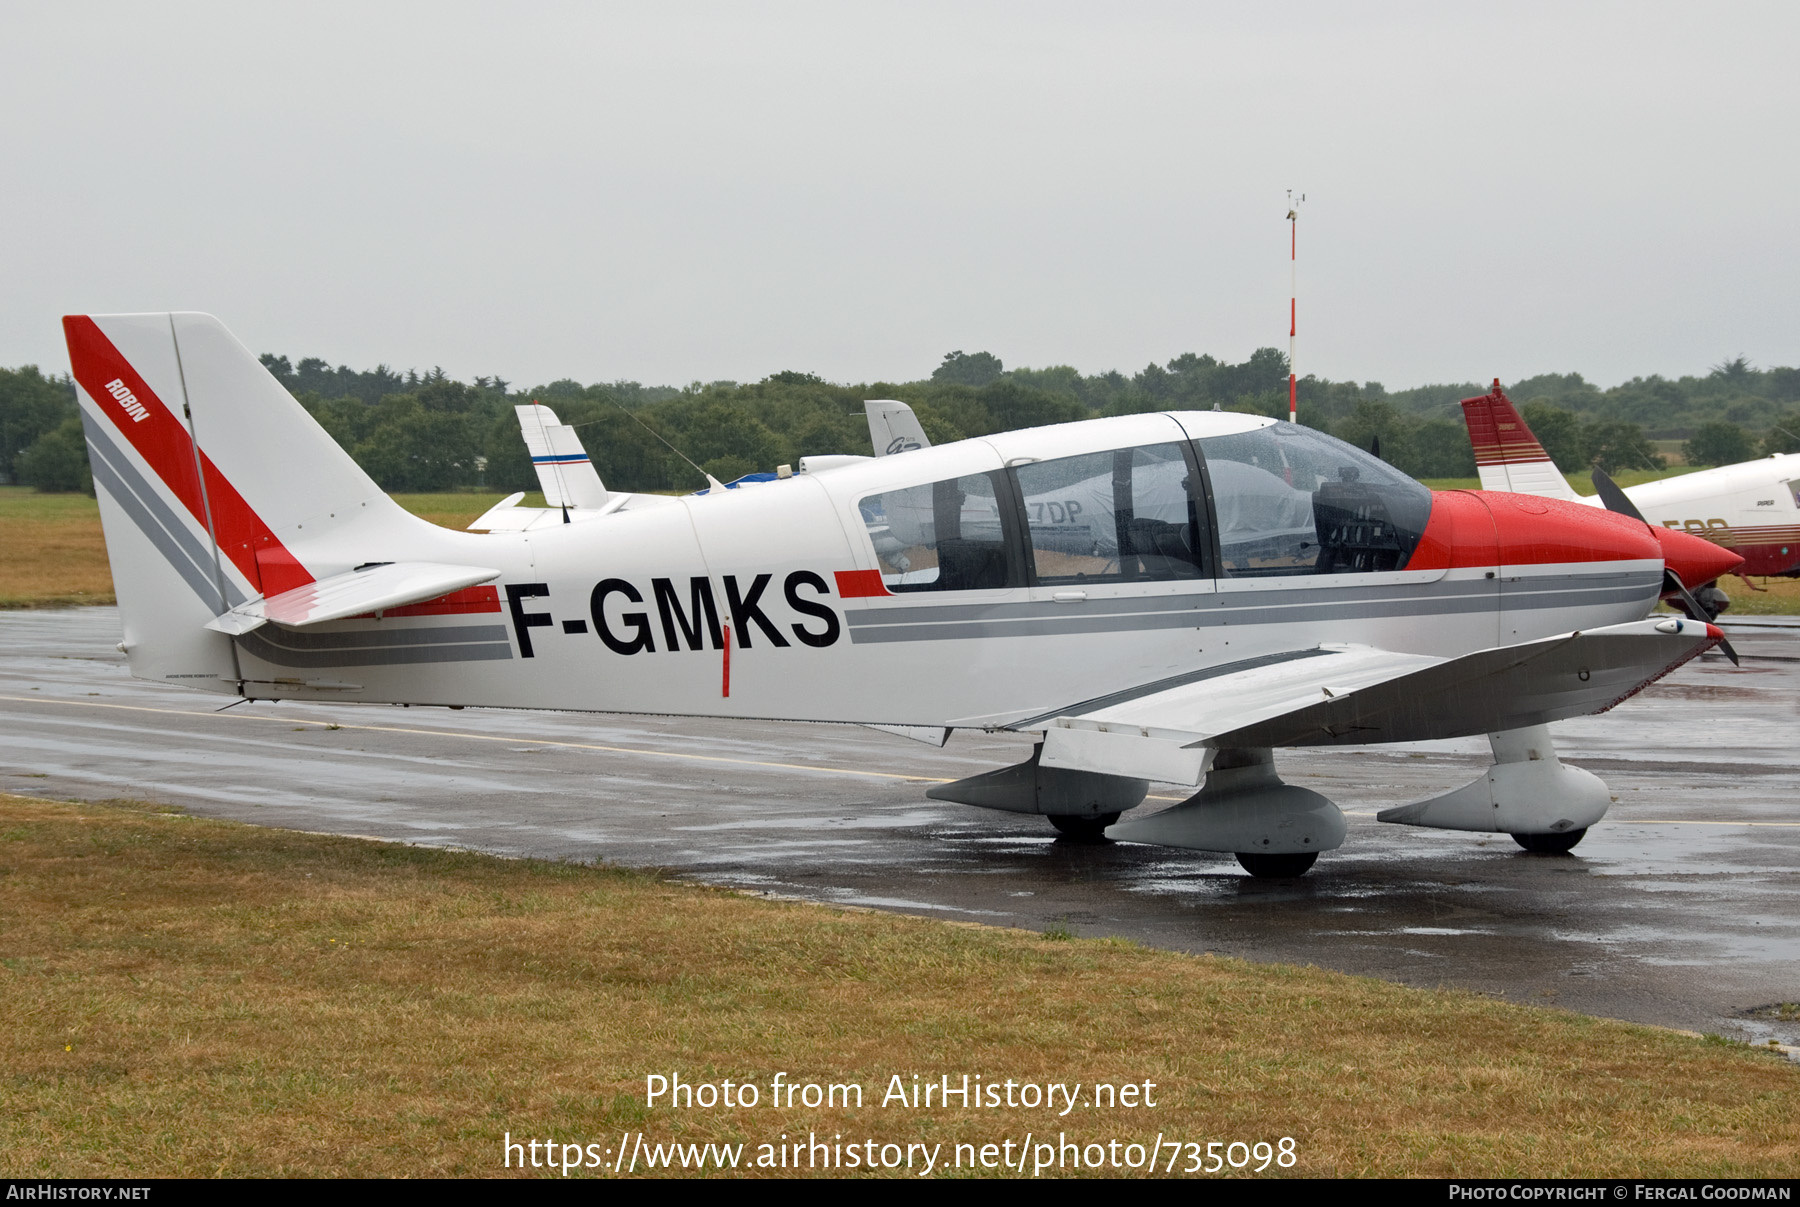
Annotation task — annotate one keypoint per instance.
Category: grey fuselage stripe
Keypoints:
(1149, 689)
(299, 640)
(257, 646)
(162, 527)
(1053, 619)
(391, 646)
(1484, 591)
(930, 614)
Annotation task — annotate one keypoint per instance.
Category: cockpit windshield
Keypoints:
(1291, 500)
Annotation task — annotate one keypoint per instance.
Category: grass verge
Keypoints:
(51, 553)
(195, 997)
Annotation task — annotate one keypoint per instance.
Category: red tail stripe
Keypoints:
(1497, 430)
(163, 441)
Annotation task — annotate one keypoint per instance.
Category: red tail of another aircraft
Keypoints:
(1507, 455)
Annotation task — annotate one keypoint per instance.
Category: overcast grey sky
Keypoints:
(670, 192)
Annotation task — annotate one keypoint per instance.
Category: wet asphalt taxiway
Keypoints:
(1682, 908)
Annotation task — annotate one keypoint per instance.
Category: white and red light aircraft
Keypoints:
(1161, 597)
(1751, 508)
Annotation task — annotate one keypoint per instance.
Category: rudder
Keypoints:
(208, 473)
(1507, 456)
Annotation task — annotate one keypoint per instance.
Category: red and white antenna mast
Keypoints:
(1293, 297)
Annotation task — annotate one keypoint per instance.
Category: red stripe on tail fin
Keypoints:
(1498, 432)
(161, 438)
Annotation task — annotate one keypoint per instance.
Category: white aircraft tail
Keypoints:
(1508, 457)
(893, 428)
(564, 469)
(216, 488)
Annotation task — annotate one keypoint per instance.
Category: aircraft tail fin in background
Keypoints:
(563, 467)
(1508, 457)
(893, 428)
(215, 487)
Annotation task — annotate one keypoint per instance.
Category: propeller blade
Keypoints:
(1375, 448)
(1614, 498)
(1673, 585)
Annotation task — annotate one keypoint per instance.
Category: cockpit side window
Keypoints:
(953, 535)
(1291, 500)
(1122, 515)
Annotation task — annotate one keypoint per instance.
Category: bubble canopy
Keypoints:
(1248, 498)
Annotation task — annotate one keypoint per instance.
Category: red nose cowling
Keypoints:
(1695, 561)
(1488, 528)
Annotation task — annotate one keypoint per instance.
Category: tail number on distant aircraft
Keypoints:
(686, 615)
(1710, 529)
(1055, 513)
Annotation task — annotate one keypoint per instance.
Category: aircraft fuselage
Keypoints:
(775, 601)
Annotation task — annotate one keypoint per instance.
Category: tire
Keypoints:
(1079, 828)
(1276, 867)
(1551, 844)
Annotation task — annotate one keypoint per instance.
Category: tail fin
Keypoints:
(563, 468)
(1508, 457)
(893, 428)
(215, 486)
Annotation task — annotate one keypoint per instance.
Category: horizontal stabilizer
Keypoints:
(1356, 695)
(508, 516)
(372, 588)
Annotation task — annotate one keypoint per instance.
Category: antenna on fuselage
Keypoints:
(712, 483)
(1293, 298)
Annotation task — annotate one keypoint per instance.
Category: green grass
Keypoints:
(193, 997)
(51, 552)
(456, 509)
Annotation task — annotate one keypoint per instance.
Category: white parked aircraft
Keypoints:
(1751, 508)
(574, 494)
(1253, 585)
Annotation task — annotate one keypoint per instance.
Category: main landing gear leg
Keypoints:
(1276, 829)
(1528, 792)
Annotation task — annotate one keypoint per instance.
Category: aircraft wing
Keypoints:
(372, 588)
(1355, 695)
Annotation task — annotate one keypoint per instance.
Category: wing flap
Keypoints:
(372, 588)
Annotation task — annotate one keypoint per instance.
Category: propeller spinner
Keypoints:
(1688, 561)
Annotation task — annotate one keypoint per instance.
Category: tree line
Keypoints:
(428, 432)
